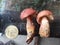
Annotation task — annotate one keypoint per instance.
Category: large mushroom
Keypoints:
(43, 18)
(27, 14)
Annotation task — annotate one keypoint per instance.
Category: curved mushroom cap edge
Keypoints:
(44, 13)
(27, 12)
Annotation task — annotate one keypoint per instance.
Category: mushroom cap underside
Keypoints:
(44, 13)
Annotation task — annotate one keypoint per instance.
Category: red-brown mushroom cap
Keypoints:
(44, 13)
(27, 12)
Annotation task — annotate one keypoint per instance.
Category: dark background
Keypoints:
(11, 14)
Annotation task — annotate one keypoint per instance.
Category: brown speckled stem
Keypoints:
(30, 30)
(44, 29)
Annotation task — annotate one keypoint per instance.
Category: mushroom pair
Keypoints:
(43, 19)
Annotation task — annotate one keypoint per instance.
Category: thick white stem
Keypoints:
(44, 29)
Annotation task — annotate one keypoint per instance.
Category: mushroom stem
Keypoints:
(44, 29)
(30, 30)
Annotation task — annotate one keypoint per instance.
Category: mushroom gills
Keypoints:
(44, 29)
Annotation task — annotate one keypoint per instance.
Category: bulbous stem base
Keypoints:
(44, 29)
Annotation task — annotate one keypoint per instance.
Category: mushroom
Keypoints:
(43, 18)
(28, 14)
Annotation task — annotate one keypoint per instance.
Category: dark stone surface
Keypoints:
(21, 40)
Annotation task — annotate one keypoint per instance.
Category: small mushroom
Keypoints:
(43, 18)
(28, 14)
